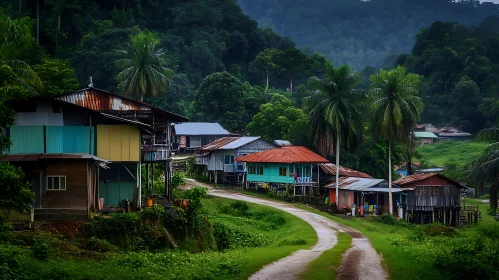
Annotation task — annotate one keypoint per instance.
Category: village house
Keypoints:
(282, 143)
(83, 150)
(193, 135)
(423, 138)
(367, 194)
(275, 169)
(432, 198)
(442, 134)
(402, 169)
(217, 158)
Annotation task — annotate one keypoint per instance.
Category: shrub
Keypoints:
(40, 248)
(439, 230)
(98, 245)
(152, 215)
(222, 236)
(274, 219)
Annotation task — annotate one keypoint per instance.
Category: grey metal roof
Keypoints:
(239, 142)
(355, 183)
(383, 190)
(282, 143)
(200, 128)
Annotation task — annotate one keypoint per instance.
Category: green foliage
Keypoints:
(15, 191)
(142, 67)
(461, 153)
(220, 99)
(41, 248)
(178, 179)
(57, 77)
(279, 119)
(99, 245)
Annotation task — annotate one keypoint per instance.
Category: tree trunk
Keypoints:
(337, 167)
(267, 77)
(409, 154)
(57, 32)
(291, 85)
(390, 197)
(38, 22)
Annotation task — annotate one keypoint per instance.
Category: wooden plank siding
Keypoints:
(433, 193)
(76, 194)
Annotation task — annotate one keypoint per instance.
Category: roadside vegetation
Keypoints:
(455, 153)
(216, 238)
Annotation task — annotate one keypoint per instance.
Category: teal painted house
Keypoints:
(277, 168)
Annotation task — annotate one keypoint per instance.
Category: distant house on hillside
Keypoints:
(275, 169)
(423, 138)
(83, 150)
(217, 158)
(432, 198)
(444, 133)
(193, 135)
(402, 169)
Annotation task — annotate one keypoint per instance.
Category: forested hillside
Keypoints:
(361, 32)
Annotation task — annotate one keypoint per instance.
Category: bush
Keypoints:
(389, 219)
(439, 230)
(40, 248)
(98, 245)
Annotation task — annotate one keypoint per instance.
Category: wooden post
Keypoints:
(445, 216)
(450, 219)
(432, 216)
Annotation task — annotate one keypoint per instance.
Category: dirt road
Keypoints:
(360, 262)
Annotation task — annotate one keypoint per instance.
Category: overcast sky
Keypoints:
(493, 1)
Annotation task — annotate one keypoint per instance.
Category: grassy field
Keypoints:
(254, 237)
(324, 268)
(458, 153)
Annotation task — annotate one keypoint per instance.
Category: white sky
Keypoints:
(493, 1)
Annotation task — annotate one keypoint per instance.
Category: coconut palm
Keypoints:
(486, 168)
(15, 38)
(395, 109)
(142, 67)
(333, 116)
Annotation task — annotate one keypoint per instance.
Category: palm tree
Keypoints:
(142, 67)
(333, 114)
(395, 109)
(486, 168)
(14, 39)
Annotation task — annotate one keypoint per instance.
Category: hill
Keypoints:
(361, 32)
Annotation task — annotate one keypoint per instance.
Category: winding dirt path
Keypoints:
(360, 262)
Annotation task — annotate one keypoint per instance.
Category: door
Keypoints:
(38, 188)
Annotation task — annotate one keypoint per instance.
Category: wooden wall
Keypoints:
(118, 142)
(76, 194)
(423, 198)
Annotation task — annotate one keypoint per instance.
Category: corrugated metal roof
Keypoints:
(200, 128)
(454, 134)
(412, 178)
(293, 154)
(218, 144)
(423, 134)
(355, 183)
(239, 142)
(282, 143)
(330, 169)
(37, 157)
(101, 100)
(383, 190)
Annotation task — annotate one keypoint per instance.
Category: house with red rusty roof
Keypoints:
(432, 198)
(217, 159)
(63, 143)
(286, 166)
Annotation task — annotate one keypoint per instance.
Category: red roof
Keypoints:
(330, 169)
(293, 154)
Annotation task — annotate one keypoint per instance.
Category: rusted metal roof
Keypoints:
(293, 154)
(37, 157)
(419, 177)
(213, 146)
(101, 100)
(412, 178)
(330, 169)
(354, 183)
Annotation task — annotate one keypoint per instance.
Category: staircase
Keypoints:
(462, 219)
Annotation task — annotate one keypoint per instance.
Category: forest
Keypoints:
(361, 32)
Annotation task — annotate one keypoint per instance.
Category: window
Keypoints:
(252, 170)
(282, 171)
(56, 183)
(229, 159)
(259, 170)
(307, 171)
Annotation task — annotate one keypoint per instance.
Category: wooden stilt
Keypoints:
(432, 216)
(445, 216)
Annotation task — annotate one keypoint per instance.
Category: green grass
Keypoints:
(324, 268)
(456, 152)
(484, 209)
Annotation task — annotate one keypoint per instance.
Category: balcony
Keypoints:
(152, 153)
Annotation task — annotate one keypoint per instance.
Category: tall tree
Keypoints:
(486, 168)
(143, 72)
(395, 110)
(15, 38)
(333, 114)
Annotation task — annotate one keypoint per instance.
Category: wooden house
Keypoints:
(62, 142)
(423, 138)
(431, 198)
(193, 135)
(280, 167)
(218, 158)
